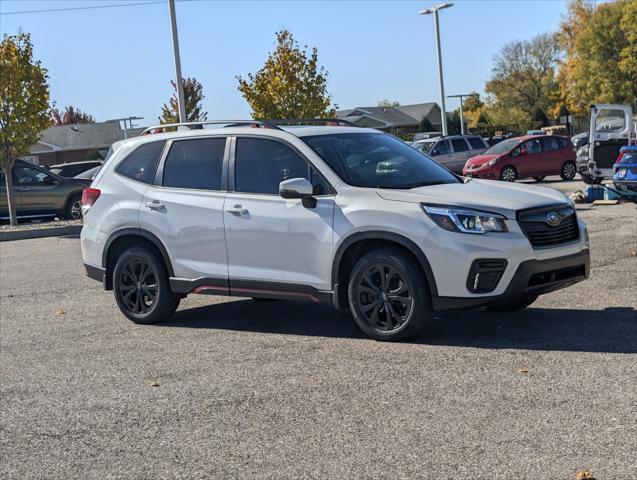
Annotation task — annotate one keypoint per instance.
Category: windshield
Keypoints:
(503, 147)
(378, 160)
(629, 157)
(425, 146)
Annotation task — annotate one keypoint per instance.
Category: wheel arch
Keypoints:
(121, 239)
(357, 244)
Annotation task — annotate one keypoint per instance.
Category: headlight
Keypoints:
(492, 162)
(456, 219)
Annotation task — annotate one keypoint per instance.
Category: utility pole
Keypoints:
(178, 79)
(443, 114)
(461, 97)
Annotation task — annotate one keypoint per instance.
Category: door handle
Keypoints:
(155, 205)
(237, 210)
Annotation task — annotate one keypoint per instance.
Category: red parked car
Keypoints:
(533, 156)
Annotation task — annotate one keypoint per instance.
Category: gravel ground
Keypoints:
(38, 224)
(233, 388)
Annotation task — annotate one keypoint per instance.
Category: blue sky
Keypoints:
(117, 62)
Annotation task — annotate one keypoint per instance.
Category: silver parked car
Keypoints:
(452, 152)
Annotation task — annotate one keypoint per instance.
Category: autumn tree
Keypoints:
(193, 96)
(70, 115)
(291, 84)
(524, 77)
(600, 64)
(24, 105)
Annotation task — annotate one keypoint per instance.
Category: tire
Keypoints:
(388, 296)
(509, 174)
(73, 210)
(139, 274)
(513, 305)
(539, 179)
(568, 171)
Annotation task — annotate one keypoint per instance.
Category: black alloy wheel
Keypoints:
(569, 169)
(141, 288)
(388, 295)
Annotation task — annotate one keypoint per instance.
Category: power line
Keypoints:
(91, 7)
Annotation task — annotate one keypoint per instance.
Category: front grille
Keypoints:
(541, 233)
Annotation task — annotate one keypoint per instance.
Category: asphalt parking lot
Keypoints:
(233, 388)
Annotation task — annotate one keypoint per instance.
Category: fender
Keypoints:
(393, 237)
(139, 233)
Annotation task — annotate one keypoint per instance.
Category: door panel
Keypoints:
(38, 192)
(279, 240)
(529, 164)
(610, 129)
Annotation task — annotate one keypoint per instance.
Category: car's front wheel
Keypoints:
(140, 285)
(568, 171)
(388, 296)
(509, 174)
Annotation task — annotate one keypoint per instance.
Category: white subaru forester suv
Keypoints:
(339, 214)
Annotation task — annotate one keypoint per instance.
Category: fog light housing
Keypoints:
(485, 275)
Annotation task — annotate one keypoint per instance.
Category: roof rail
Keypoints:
(336, 122)
(199, 125)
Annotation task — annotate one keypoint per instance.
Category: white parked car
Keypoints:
(346, 215)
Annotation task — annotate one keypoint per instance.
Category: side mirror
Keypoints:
(298, 188)
(49, 181)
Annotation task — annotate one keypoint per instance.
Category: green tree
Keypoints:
(453, 123)
(388, 103)
(193, 96)
(70, 115)
(425, 125)
(290, 85)
(24, 104)
(600, 65)
(524, 77)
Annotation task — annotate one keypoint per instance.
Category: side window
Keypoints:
(441, 148)
(476, 143)
(261, 165)
(141, 163)
(550, 143)
(563, 142)
(195, 164)
(532, 146)
(31, 176)
(459, 145)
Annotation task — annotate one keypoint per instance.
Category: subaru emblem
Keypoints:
(553, 219)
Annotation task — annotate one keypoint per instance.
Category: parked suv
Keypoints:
(346, 215)
(454, 151)
(38, 192)
(531, 156)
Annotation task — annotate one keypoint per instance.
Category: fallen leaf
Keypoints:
(585, 475)
(59, 311)
(523, 370)
(153, 384)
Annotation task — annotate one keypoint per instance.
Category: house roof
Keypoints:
(399, 116)
(85, 135)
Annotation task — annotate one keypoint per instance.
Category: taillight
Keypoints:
(89, 196)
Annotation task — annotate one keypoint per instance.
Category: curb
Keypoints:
(40, 233)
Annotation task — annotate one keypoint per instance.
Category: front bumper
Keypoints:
(532, 277)
(626, 185)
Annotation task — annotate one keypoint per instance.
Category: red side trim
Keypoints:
(203, 288)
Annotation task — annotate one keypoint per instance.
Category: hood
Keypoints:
(494, 196)
(480, 159)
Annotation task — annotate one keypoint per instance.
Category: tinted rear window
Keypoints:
(141, 163)
(629, 157)
(195, 164)
(459, 145)
(476, 143)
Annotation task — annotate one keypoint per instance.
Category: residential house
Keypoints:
(400, 120)
(77, 142)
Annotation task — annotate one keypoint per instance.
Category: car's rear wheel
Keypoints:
(513, 305)
(388, 296)
(141, 288)
(569, 169)
(73, 209)
(539, 179)
(509, 174)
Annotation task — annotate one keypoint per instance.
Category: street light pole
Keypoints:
(434, 10)
(461, 97)
(181, 104)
